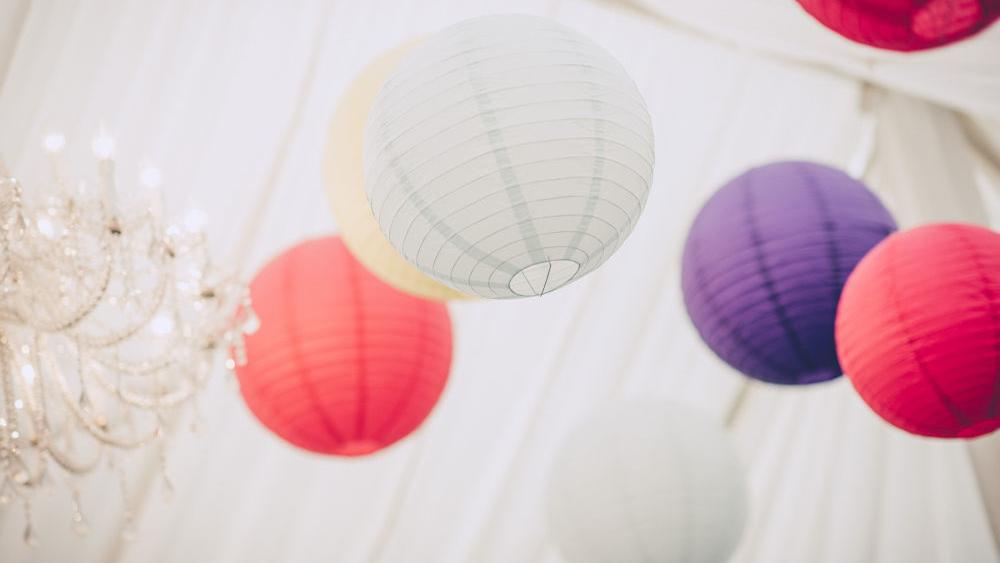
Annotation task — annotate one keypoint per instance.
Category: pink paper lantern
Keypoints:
(343, 364)
(904, 25)
(918, 330)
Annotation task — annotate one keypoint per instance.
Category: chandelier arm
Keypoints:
(130, 331)
(46, 443)
(144, 369)
(89, 306)
(37, 385)
(16, 467)
(9, 426)
(30, 475)
(90, 423)
(148, 402)
(74, 466)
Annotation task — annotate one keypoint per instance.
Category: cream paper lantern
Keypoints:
(647, 481)
(343, 171)
(507, 156)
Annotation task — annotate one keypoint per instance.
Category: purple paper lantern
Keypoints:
(766, 260)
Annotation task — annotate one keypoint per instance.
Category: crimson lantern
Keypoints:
(904, 25)
(342, 364)
(918, 330)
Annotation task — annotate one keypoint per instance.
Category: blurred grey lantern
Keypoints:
(508, 156)
(647, 481)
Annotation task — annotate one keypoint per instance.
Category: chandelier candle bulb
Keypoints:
(104, 150)
(156, 204)
(54, 144)
(106, 178)
(103, 146)
(151, 179)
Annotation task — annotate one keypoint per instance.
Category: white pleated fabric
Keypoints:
(643, 481)
(232, 99)
(508, 156)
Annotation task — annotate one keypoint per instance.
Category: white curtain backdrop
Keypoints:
(231, 99)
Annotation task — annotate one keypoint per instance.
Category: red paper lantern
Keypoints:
(342, 364)
(918, 330)
(904, 25)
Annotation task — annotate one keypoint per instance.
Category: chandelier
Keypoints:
(110, 319)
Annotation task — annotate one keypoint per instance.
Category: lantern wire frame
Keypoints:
(110, 320)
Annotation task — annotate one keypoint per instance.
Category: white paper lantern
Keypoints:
(508, 156)
(647, 481)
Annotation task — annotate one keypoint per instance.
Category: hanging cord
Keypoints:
(984, 153)
(860, 164)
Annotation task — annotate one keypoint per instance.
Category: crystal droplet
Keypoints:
(29, 536)
(168, 489)
(80, 527)
(79, 522)
(84, 400)
(29, 531)
(128, 527)
(252, 322)
(19, 227)
(168, 486)
(241, 353)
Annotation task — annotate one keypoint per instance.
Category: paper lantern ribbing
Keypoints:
(508, 156)
(342, 364)
(918, 330)
(647, 481)
(343, 165)
(904, 25)
(765, 262)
